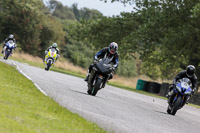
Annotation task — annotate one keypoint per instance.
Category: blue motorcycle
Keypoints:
(182, 92)
(10, 45)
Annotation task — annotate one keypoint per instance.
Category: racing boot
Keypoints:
(171, 95)
(87, 78)
(170, 91)
(3, 49)
(187, 100)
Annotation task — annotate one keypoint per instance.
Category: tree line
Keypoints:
(158, 38)
(164, 34)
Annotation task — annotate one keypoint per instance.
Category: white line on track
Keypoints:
(37, 86)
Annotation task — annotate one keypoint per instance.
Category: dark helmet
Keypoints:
(11, 36)
(113, 47)
(54, 45)
(190, 70)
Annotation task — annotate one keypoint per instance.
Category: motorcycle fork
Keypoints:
(96, 78)
(183, 97)
(176, 96)
(104, 83)
(183, 101)
(102, 78)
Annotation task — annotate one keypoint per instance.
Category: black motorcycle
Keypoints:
(100, 73)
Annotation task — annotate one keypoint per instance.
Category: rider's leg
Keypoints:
(43, 58)
(88, 73)
(188, 98)
(170, 91)
(110, 76)
(171, 96)
(45, 53)
(3, 49)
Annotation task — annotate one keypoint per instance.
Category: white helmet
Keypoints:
(54, 45)
(11, 36)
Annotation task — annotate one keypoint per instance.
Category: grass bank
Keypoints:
(24, 109)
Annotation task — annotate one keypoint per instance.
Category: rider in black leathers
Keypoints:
(188, 73)
(110, 52)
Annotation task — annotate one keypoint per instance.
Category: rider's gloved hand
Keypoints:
(95, 61)
(95, 58)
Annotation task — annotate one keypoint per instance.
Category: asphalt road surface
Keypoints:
(113, 109)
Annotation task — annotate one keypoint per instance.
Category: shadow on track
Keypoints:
(161, 112)
(86, 94)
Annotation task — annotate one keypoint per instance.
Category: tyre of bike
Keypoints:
(7, 54)
(48, 65)
(176, 106)
(96, 87)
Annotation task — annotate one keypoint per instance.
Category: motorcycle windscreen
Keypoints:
(104, 66)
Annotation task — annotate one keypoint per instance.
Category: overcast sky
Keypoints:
(107, 9)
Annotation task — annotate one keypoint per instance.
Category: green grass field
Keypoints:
(24, 109)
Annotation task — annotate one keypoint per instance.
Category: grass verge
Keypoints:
(24, 109)
(56, 69)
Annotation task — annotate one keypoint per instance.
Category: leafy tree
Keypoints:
(79, 53)
(76, 11)
(26, 19)
(22, 19)
(169, 27)
(87, 14)
(57, 9)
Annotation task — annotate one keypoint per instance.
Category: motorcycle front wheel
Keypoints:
(7, 54)
(176, 106)
(48, 66)
(96, 87)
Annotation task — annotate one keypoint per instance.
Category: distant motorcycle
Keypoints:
(99, 75)
(50, 58)
(10, 45)
(182, 91)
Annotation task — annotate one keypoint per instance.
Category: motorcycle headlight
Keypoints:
(178, 88)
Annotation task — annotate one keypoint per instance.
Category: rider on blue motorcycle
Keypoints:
(110, 52)
(188, 73)
(10, 37)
